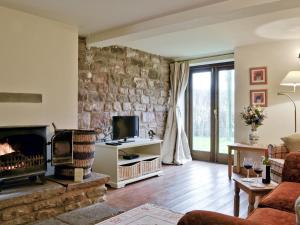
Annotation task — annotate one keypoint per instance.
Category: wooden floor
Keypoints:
(195, 185)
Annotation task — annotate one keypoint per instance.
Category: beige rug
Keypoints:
(147, 214)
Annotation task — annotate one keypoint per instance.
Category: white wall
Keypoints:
(279, 57)
(38, 55)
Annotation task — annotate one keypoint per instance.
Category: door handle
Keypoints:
(216, 114)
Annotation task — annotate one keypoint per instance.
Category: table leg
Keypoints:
(229, 163)
(236, 207)
(238, 163)
(251, 203)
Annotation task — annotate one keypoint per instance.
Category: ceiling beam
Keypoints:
(219, 12)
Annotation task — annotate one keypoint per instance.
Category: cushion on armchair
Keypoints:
(292, 142)
(291, 168)
(268, 216)
(201, 217)
(283, 197)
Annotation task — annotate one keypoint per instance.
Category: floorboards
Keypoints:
(195, 185)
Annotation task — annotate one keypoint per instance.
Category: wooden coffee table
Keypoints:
(251, 191)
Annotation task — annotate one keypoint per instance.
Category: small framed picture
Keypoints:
(258, 75)
(259, 97)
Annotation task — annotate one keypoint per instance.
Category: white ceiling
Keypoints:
(173, 28)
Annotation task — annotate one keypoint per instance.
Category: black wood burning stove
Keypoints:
(23, 153)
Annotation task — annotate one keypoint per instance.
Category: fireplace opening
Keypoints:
(22, 153)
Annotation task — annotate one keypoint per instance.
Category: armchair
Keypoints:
(277, 208)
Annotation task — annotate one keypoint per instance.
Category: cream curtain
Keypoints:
(175, 148)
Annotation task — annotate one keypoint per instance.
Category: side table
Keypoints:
(241, 148)
(251, 191)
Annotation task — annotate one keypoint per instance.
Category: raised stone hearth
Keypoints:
(31, 202)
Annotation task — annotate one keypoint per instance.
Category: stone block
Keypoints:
(153, 100)
(140, 83)
(131, 53)
(131, 91)
(17, 211)
(71, 207)
(159, 108)
(148, 117)
(127, 82)
(93, 96)
(139, 107)
(118, 50)
(110, 97)
(100, 78)
(89, 215)
(137, 62)
(51, 221)
(164, 93)
(48, 213)
(88, 107)
(145, 99)
(114, 79)
(126, 106)
(153, 74)
(108, 107)
(84, 120)
(144, 72)
(117, 106)
(122, 98)
(150, 84)
(161, 101)
(134, 98)
(98, 107)
(80, 107)
(82, 95)
(139, 91)
(158, 84)
(123, 91)
(155, 59)
(160, 116)
(20, 220)
(133, 70)
(137, 113)
(149, 92)
(150, 108)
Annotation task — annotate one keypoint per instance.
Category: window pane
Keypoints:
(201, 110)
(226, 109)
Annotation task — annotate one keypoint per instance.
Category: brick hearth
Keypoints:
(31, 202)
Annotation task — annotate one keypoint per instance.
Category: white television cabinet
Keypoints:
(109, 160)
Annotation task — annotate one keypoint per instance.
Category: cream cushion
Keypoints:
(292, 142)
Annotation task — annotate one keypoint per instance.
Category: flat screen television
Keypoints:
(125, 127)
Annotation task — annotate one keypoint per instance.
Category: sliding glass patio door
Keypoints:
(211, 111)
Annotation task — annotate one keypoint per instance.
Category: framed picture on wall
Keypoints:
(259, 97)
(258, 75)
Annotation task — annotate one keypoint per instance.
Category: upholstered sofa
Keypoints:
(276, 208)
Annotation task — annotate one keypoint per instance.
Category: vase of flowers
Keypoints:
(253, 116)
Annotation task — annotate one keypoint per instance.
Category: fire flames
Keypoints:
(5, 149)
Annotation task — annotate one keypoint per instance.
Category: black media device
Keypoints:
(125, 127)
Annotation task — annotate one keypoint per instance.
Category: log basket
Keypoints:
(81, 152)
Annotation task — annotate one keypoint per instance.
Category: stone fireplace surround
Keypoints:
(30, 202)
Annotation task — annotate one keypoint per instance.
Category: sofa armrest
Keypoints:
(291, 168)
(278, 151)
(200, 217)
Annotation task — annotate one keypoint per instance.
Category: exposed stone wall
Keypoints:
(124, 82)
(49, 200)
